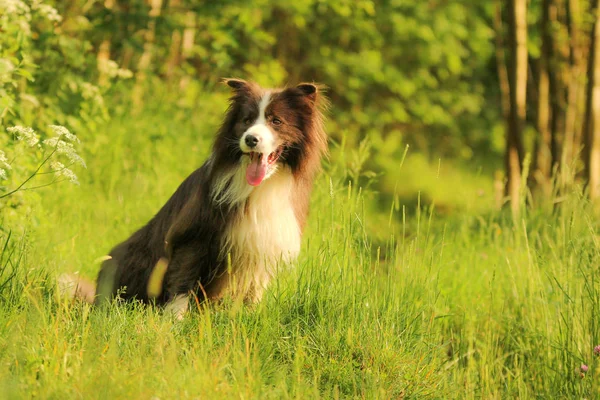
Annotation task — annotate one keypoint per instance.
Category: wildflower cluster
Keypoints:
(584, 368)
(62, 132)
(111, 69)
(22, 13)
(13, 7)
(62, 143)
(46, 11)
(4, 165)
(59, 169)
(53, 152)
(24, 134)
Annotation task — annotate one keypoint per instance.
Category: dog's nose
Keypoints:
(251, 141)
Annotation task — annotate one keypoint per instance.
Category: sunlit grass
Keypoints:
(402, 303)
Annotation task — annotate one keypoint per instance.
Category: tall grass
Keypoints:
(396, 304)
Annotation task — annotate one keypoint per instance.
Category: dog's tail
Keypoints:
(76, 287)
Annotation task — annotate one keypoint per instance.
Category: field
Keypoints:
(401, 300)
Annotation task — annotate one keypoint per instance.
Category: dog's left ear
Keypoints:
(308, 89)
(236, 84)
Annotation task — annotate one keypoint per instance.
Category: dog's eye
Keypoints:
(247, 121)
(276, 121)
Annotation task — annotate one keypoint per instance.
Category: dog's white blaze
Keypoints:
(262, 106)
(264, 234)
(266, 139)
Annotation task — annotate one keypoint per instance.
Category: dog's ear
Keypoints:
(236, 84)
(310, 90)
(307, 88)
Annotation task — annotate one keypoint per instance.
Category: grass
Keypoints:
(393, 304)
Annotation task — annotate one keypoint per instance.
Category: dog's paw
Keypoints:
(178, 307)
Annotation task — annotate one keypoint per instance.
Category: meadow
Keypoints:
(401, 301)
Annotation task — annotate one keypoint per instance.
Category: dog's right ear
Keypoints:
(236, 84)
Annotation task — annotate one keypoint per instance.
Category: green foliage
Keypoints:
(399, 73)
(47, 69)
(400, 69)
(416, 71)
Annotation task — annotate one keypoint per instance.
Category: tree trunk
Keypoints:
(592, 110)
(174, 58)
(543, 156)
(517, 77)
(579, 139)
(189, 34)
(146, 57)
(576, 69)
(104, 51)
(557, 60)
(504, 93)
(501, 62)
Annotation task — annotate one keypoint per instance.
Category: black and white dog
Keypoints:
(233, 220)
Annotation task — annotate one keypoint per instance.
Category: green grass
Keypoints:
(393, 304)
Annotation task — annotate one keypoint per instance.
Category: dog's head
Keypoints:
(265, 128)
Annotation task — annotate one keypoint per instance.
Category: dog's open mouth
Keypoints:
(259, 166)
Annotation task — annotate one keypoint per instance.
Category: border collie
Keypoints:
(235, 219)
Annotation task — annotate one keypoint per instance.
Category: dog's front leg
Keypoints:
(184, 272)
(179, 285)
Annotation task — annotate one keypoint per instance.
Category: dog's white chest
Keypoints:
(264, 234)
(266, 228)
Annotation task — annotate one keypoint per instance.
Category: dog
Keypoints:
(233, 221)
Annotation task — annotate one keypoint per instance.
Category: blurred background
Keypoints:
(467, 96)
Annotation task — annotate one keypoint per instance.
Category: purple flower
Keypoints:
(597, 350)
(584, 368)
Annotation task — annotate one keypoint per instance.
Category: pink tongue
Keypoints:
(256, 170)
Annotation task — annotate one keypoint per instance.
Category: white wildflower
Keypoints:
(65, 149)
(46, 11)
(52, 142)
(4, 161)
(88, 90)
(24, 134)
(6, 69)
(14, 7)
(64, 133)
(124, 73)
(70, 175)
(76, 159)
(2, 174)
(56, 166)
(108, 67)
(24, 26)
(112, 70)
(60, 170)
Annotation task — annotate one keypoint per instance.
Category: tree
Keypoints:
(592, 110)
(556, 37)
(575, 69)
(517, 79)
(144, 62)
(543, 157)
